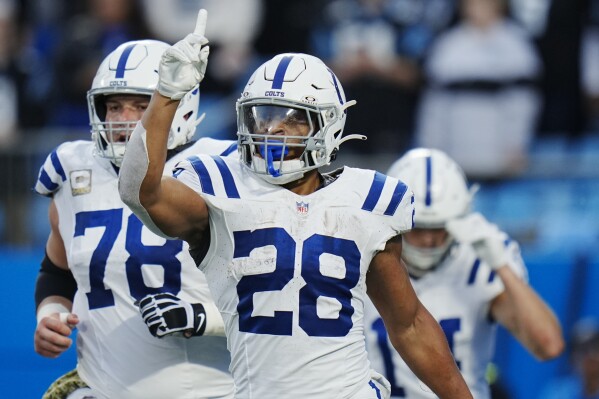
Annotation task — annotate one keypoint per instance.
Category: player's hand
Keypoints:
(183, 65)
(52, 334)
(486, 239)
(165, 314)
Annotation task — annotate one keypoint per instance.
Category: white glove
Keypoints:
(183, 65)
(165, 314)
(486, 239)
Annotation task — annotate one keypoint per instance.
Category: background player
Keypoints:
(288, 252)
(99, 249)
(468, 274)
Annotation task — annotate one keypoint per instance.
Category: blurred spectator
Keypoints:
(232, 28)
(375, 47)
(296, 18)
(41, 31)
(8, 84)
(481, 104)
(590, 66)
(13, 196)
(583, 382)
(560, 48)
(87, 37)
(531, 14)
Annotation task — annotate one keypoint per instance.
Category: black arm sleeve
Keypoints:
(53, 280)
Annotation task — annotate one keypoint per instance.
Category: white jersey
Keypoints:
(288, 274)
(116, 261)
(458, 294)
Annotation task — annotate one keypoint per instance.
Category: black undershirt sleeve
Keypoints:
(52, 280)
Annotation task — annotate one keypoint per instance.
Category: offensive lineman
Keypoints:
(100, 259)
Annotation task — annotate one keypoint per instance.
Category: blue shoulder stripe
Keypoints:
(378, 182)
(46, 181)
(228, 180)
(398, 193)
(203, 174)
(232, 148)
(206, 179)
(57, 165)
(473, 272)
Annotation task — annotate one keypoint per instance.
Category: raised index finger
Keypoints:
(201, 22)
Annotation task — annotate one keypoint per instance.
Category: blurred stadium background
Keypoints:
(49, 52)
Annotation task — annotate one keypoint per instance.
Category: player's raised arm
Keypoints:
(414, 333)
(518, 308)
(166, 206)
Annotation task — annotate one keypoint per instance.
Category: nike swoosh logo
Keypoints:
(202, 319)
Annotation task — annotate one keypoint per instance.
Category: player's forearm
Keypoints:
(157, 121)
(140, 177)
(424, 348)
(534, 323)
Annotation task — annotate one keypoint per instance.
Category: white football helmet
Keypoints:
(291, 88)
(441, 193)
(133, 69)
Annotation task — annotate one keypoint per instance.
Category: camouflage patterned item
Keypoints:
(66, 385)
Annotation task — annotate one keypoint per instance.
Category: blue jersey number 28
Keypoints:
(139, 254)
(317, 284)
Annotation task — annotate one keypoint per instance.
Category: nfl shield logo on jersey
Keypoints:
(302, 207)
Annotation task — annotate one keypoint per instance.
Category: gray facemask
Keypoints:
(422, 260)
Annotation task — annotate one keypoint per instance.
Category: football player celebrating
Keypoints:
(288, 252)
(468, 274)
(100, 259)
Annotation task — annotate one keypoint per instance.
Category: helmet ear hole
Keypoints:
(334, 154)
